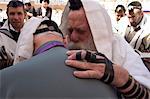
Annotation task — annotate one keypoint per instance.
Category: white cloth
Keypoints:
(8, 43)
(24, 49)
(112, 45)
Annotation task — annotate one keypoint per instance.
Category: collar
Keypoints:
(47, 46)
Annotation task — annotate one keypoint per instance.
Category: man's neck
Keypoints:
(39, 40)
(48, 45)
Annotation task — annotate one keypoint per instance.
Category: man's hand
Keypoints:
(87, 69)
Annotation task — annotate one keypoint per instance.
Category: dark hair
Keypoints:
(44, 1)
(15, 4)
(135, 4)
(120, 6)
(75, 4)
(29, 4)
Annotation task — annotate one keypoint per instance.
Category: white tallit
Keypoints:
(113, 46)
(24, 49)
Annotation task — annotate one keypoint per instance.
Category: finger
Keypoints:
(83, 65)
(76, 54)
(70, 52)
(87, 74)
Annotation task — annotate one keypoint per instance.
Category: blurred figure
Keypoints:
(120, 12)
(44, 10)
(30, 10)
(10, 31)
(135, 29)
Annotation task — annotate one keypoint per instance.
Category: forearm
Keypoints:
(133, 89)
(128, 86)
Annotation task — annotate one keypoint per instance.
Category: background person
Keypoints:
(135, 29)
(120, 12)
(44, 10)
(30, 10)
(10, 32)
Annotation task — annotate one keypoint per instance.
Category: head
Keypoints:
(47, 31)
(120, 12)
(45, 3)
(27, 6)
(16, 14)
(79, 35)
(135, 13)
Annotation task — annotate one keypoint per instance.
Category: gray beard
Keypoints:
(78, 46)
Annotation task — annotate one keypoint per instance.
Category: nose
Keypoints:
(16, 16)
(74, 37)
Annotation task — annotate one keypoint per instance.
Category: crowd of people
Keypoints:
(118, 56)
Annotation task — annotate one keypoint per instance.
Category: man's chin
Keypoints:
(72, 46)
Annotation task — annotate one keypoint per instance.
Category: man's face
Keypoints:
(80, 36)
(119, 15)
(135, 16)
(16, 17)
(27, 7)
(44, 4)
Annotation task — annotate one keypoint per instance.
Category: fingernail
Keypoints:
(67, 62)
(67, 51)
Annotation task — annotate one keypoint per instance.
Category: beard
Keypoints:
(89, 45)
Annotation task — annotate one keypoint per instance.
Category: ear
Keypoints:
(25, 14)
(65, 40)
(142, 13)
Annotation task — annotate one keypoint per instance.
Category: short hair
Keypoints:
(44, 1)
(75, 4)
(135, 5)
(29, 4)
(120, 6)
(15, 4)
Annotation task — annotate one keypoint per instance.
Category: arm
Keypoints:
(120, 78)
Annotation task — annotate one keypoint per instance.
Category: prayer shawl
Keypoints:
(7, 47)
(24, 49)
(112, 45)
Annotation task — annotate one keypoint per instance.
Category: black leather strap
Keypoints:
(91, 57)
(78, 56)
(109, 72)
(127, 84)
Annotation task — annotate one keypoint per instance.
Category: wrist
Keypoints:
(121, 76)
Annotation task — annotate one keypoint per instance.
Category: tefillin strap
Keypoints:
(91, 57)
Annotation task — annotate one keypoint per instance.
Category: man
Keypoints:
(135, 29)
(10, 31)
(44, 10)
(85, 23)
(45, 76)
(120, 12)
(30, 10)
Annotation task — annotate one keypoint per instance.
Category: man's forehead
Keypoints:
(133, 9)
(16, 8)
